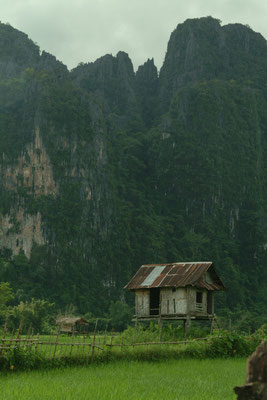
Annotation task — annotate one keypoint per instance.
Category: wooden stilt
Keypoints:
(188, 323)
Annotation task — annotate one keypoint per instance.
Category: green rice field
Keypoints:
(184, 379)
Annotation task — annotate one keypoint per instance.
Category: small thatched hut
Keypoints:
(71, 324)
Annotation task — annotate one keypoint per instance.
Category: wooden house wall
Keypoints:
(173, 302)
(142, 300)
(182, 301)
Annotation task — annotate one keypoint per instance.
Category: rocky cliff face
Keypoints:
(32, 173)
(103, 169)
(147, 92)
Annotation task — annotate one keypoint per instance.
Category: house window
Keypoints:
(174, 289)
(199, 297)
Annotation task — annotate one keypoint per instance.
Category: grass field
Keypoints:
(165, 380)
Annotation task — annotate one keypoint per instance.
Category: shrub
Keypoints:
(36, 314)
(231, 344)
(20, 359)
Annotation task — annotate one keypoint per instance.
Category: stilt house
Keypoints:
(179, 290)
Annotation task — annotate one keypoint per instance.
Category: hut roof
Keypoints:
(71, 321)
(178, 274)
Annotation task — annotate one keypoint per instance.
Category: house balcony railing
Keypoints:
(199, 307)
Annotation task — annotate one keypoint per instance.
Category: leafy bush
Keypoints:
(20, 359)
(260, 333)
(231, 344)
(6, 295)
(36, 314)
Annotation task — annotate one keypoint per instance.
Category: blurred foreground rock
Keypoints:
(256, 379)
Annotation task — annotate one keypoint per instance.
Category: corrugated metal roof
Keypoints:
(154, 274)
(178, 274)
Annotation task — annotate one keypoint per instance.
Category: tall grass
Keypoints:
(170, 380)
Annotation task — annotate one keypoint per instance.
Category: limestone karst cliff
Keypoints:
(103, 169)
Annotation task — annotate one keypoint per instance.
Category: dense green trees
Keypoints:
(6, 296)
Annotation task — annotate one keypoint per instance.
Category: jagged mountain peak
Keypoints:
(17, 51)
(109, 78)
(148, 69)
(202, 50)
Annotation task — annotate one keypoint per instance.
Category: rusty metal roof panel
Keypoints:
(158, 281)
(139, 277)
(154, 274)
(175, 275)
(183, 274)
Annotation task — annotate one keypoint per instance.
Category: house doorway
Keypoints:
(209, 303)
(154, 301)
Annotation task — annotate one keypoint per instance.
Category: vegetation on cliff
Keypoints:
(146, 168)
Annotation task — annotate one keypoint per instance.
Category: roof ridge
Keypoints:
(178, 262)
